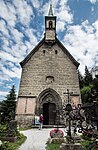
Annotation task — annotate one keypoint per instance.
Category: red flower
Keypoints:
(56, 133)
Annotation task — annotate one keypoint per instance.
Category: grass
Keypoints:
(25, 128)
(56, 146)
(53, 146)
(85, 143)
(13, 146)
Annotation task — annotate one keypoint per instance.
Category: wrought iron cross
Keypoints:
(68, 93)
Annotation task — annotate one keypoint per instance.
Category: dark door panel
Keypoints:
(46, 113)
(49, 113)
(52, 113)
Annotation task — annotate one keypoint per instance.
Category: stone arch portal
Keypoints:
(48, 102)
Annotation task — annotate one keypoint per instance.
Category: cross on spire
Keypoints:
(50, 11)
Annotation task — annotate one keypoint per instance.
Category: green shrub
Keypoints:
(3, 127)
(13, 146)
(52, 146)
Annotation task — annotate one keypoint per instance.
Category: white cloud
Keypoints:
(95, 24)
(30, 33)
(36, 3)
(54, 3)
(92, 9)
(2, 93)
(83, 38)
(15, 52)
(13, 48)
(93, 1)
(24, 11)
(44, 9)
(7, 12)
(88, 28)
(19, 52)
(60, 26)
(7, 56)
(63, 12)
(16, 35)
(17, 71)
(5, 41)
(65, 16)
(4, 77)
(11, 72)
(3, 28)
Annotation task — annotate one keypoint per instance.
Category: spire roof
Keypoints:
(50, 11)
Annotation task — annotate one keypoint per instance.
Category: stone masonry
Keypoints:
(36, 71)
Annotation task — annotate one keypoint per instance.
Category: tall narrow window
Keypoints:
(56, 52)
(50, 24)
(44, 51)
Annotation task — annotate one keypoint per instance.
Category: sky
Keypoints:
(22, 26)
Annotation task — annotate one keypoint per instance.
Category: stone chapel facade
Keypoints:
(47, 72)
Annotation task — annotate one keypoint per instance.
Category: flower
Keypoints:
(1, 143)
(56, 133)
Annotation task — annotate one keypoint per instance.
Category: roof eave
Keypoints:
(22, 63)
(67, 52)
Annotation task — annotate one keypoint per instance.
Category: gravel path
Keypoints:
(36, 139)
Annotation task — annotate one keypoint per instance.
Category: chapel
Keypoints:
(49, 79)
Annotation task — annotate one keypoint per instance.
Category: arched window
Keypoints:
(50, 24)
(49, 79)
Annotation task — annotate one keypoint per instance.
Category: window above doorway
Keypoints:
(49, 79)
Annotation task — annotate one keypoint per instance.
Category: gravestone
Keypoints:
(13, 125)
(76, 146)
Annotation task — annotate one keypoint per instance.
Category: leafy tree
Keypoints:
(95, 83)
(88, 86)
(8, 106)
(81, 79)
(87, 77)
(86, 94)
(95, 88)
(0, 110)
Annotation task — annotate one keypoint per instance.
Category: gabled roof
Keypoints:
(67, 53)
(40, 44)
(22, 63)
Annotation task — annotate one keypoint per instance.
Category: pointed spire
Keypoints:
(50, 11)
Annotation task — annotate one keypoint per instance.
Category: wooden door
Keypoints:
(49, 113)
(52, 113)
(46, 113)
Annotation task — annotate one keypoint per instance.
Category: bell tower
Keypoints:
(50, 26)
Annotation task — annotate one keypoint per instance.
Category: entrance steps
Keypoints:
(49, 126)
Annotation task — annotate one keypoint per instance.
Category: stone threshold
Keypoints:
(49, 126)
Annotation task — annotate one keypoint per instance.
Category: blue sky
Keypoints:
(22, 27)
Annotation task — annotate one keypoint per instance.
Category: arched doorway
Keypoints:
(49, 113)
(47, 103)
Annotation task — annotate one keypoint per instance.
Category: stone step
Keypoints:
(49, 126)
